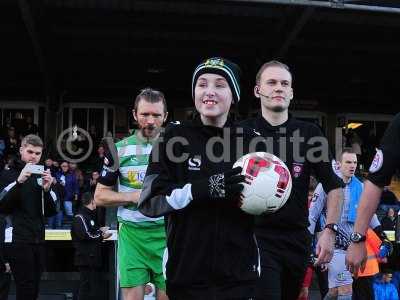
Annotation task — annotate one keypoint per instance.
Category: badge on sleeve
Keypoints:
(314, 197)
(377, 163)
(297, 169)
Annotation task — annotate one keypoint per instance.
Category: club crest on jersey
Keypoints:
(341, 276)
(194, 163)
(377, 163)
(297, 169)
(39, 181)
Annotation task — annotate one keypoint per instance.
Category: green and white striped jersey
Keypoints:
(133, 156)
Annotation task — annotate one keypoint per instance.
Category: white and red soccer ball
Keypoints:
(268, 183)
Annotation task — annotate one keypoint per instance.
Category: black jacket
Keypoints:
(87, 237)
(27, 204)
(304, 149)
(210, 242)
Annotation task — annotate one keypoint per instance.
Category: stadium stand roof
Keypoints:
(344, 54)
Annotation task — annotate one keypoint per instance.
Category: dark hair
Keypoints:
(345, 150)
(32, 139)
(87, 198)
(152, 96)
(272, 63)
(64, 162)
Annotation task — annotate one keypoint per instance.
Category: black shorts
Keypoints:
(284, 259)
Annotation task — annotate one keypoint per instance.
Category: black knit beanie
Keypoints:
(221, 66)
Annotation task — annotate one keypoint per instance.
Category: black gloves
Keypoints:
(225, 185)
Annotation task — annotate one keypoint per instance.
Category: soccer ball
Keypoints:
(268, 183)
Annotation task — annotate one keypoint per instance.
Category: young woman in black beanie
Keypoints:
(212, 252)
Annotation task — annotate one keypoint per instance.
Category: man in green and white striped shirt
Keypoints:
(141, 240)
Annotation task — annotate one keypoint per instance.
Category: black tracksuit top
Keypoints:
(297, 157)
(210, 242)
(24, 203)
(86, 236)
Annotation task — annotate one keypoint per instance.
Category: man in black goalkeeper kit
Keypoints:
(28, 199)
(283, 238)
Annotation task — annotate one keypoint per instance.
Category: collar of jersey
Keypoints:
(198, 123)
(267, 126)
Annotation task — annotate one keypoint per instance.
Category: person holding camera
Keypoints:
(26, 195)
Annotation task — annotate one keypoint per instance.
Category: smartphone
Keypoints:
(35, 169)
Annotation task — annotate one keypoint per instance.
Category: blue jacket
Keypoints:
(356, 188)
(385, 291)
(71, 185)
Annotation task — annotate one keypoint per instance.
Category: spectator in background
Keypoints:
(56, 166)
(73, 167)
(49, 164)
(80, 177)
(389, 221)
(98, 160)
(388, 197)
(87, 235)
(385, 289)
(56, 220)
(31, 128)
(68, 180)
(12, 142)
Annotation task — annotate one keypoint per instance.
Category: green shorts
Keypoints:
(140, 255)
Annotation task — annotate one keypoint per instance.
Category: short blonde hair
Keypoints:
(272, 63)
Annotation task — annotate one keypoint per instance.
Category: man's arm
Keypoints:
(105, 196)
(332, 185)
(324, 249)
(9, 190)
(334, 205)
